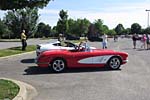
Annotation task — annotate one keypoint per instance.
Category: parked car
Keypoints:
(56, 45)
(59, 60)
(95, 38)
(72, 37)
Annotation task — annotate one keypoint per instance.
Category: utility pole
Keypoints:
(147, 17)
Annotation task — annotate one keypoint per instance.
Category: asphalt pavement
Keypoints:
(130, 82)
(4, 45)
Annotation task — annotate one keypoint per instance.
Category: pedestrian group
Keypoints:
(145, 42)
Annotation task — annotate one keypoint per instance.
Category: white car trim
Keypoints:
(95, 60)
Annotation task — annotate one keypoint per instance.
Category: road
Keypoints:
(4, 45)
(131, 82)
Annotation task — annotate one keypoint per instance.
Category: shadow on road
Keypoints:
(141, 49)
(34, 70)
(27, 60)
(137, 49)
(126, 48)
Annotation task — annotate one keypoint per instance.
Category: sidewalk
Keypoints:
(26, 92)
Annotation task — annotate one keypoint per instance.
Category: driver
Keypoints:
(84, 46)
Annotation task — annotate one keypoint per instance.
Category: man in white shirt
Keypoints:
(105, 39)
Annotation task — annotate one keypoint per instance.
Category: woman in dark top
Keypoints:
(134, 38)
(147, 41)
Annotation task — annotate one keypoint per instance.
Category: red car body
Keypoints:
(60, 59)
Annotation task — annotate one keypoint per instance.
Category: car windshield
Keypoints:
(83, 47)
(65, 44)
(86, 47)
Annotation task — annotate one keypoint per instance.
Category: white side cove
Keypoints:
(95, 60)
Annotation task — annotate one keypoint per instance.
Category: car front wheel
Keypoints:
(114, 63)
(58, 65)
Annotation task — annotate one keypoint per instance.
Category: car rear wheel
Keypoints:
(58, 65)
(114, 63)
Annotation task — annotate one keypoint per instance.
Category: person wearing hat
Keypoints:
(23, 40)
(61, 39)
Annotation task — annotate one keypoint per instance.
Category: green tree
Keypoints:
(54, 32)
(79, 27)
(47, 31)
(135, 28)
(147, 30)
(72, 26)
(99, 26)
(111, 32)
(119, 29)
(20, 4)
(2, 27)
(92, 29)
(4, 31)
(83, 26)
(40, 28)
(43, 30)
(22, 19)
(105, 29)
(62, 24)
(126, 31)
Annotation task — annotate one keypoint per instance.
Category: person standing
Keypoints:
(143, 40)
(115, 38)
(147, 41)
(134, 38)
(23, 40)
(104, 42)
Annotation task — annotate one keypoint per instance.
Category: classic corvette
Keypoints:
(56, 45)
(60, 59)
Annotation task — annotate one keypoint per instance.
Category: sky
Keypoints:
(112, 12)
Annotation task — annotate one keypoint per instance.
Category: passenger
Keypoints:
(84, 46)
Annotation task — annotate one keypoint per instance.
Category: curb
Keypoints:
(17, 54)
(26, 92)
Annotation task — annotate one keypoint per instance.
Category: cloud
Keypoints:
(112, 18)
(111, 13)
(2, 14)
(126, 14)
(49, 11)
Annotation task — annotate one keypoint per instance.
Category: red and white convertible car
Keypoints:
(60, 59)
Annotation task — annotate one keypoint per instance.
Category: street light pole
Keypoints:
(147, 18)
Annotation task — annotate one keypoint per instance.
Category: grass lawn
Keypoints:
(16, 50)
(9, 40)
(8, 89)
